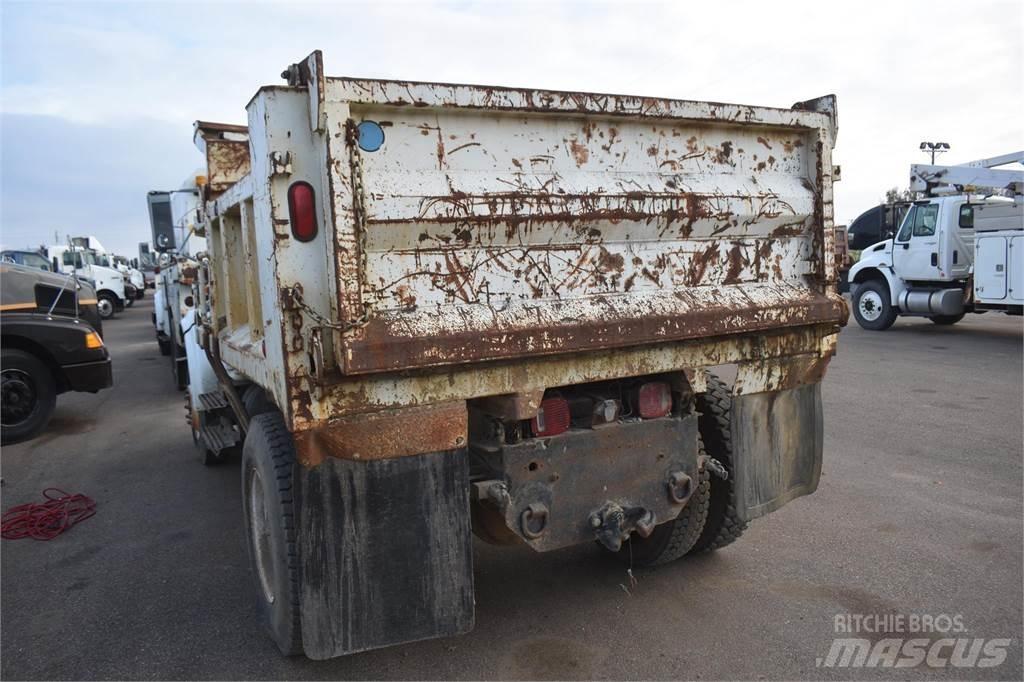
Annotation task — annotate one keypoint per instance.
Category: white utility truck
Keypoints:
(172, 220)
(108, 282)
(430, 310)
(958, 250)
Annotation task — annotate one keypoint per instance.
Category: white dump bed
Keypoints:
(463, 224)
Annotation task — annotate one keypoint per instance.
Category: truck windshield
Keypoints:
(73, 258)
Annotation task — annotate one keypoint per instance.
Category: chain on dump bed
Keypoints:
(359, 215)
(358, 204)
(361, 321)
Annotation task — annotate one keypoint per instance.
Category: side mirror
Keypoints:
(55, 267)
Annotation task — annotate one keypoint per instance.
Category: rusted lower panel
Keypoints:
(391, 342)
(387, 391)
(551, 489)
(386, 434)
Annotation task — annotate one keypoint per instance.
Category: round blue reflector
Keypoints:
(371, 136)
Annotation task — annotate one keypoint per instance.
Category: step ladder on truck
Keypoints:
(959, 249)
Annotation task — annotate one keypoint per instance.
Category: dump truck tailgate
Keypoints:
(498, 223)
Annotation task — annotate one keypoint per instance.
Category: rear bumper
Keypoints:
(89, 376)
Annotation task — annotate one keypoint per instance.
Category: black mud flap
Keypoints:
(777, 440)
(385, 552)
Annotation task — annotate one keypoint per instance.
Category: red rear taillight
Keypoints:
(654, 400)
(552, 417)
(302, 211)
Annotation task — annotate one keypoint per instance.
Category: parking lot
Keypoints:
(918, 512)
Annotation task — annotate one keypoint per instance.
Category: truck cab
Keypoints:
(955, 252)
(929, 267)
(135, 282)
(110, 289)
(172, 219)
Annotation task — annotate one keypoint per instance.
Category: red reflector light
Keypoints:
(552, 418)
(302, 211)
(654, 400)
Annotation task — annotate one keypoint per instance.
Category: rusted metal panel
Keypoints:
(502, 241)
(391, 391)
(226, 147)
(419, 95)
(550, 489)
(391, 342)
(386, 434)
(479, 217)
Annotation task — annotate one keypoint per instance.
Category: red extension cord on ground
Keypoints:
(47, 520)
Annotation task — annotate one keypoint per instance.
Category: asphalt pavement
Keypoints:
(919, 511)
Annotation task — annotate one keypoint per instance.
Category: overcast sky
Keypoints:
(98, 99)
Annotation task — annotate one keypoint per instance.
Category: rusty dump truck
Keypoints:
(428, 311)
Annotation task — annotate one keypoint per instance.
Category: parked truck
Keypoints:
(432, 310)
(87, 264)
(172, 219)
(51, 342)
(959, 249)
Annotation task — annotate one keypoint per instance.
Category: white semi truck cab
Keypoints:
(958, 251)
(109, 283)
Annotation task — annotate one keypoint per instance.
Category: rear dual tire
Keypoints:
(709, 521)
(268, 494)
(723, 525)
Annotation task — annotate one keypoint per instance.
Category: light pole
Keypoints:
(934, 148)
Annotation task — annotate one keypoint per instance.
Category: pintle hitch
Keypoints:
(612, 524)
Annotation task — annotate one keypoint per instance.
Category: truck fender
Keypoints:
(874, 264)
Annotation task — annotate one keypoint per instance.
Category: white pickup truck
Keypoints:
(432, 310)
(953, 253)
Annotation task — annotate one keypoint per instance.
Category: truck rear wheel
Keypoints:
(872, 307)
(946, 320)
(672, 539)
(722, 526)
(268, 464)
(29, 395)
